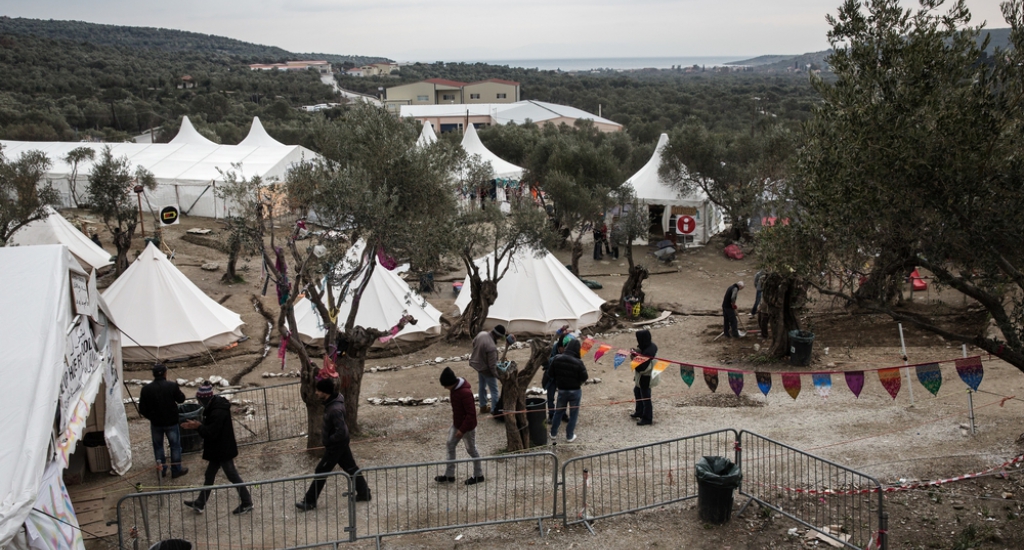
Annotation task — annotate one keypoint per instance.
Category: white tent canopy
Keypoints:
(187, 170)
(55, 229)
(502, 168)
(258, 136)
(537, 296)
(651, 189)
(383, 302)
(163, 315)
(427, 136)
(59, 347)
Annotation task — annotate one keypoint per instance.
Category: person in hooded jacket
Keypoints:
(335, 438)
(644, 413)
(569, 373)
(463, 427)
(562, 337)
(219, 447)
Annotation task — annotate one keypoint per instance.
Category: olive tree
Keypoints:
(23, 198)
(112, 195)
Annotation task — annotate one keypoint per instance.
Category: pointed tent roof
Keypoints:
(649, 186)
(427, 136)
(537, 296)
(55, 229)
(386, 297)
(502, 168)
(258, 136)
(188, 135)
(163, 315)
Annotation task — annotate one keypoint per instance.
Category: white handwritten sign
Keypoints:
(80, 293)
(80, 361)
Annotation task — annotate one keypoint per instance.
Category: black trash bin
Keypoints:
(716, 478)
(536, 414)
(190, 440)
(800, 344)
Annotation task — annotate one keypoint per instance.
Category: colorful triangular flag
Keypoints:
(686, 373)
(970, 371)
(822, 383)
(736, 382)
(764, 382)
(637, 361)
(659, 367)
(791, 382)
(855, 381)
(601, 350)
(891, 380)
(711, 378)
(585, 346)
(620, 358)
(930, 376)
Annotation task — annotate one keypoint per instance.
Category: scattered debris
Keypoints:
(211, 266)
(199, 231)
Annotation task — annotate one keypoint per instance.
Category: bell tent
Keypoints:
(55, 229)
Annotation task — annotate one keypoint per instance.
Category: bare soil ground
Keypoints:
(888, 439)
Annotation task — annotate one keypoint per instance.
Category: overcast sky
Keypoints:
(458, 30)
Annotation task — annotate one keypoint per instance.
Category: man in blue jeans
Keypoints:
(158, 403)
(569, 373)
(484, 361)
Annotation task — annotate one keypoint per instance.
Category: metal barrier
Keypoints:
(147, 518)
(262, 415)
(407, 499)
(627, 480)
(812, 491)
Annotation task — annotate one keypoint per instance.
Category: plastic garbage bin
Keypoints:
(716, 478)
(190, 440)
(536, 414)
(800, 344)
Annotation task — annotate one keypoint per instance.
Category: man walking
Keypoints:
(336, 446)
(484, 361)
(645, 346)
(463, 427)
(758, 286)
(732, 328)
(219, 447)
(569, 373)
(158, 403)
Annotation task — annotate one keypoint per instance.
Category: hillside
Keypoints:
(163, 39)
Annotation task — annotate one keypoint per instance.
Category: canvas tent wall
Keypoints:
(164, 315)
(536, 296)
(386, 298)
(503, 169)
(55, 229)
(187, 171)
(59, 346)
(651, 189)
(427, 135)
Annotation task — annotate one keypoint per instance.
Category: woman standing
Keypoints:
(644, 413)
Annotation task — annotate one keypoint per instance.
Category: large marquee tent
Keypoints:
(164, 315)
(705, 220)
(55, 229)
(503, 169)
(536, 296)
(60, 345)
(187, 170)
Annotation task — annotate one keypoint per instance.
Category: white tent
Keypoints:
(187, 170)
(383, 302)
(55, 229)
(163, 315)
(258, 136)
(427, 136)
(537, 296)
(502, 168)
(59, 346)
(652, 190)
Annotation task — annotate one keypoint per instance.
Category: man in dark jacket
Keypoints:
(645, 347)
(569, 373)
(158, 403)
(562, 337)
(219, 447)
(336, 446)
(463, 427)
(732, 329)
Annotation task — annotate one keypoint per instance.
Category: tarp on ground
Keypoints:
(55, 229)
(536, 296)
(163, 315)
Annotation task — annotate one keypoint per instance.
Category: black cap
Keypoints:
(498, 330)
(448, 377)
(326, 386)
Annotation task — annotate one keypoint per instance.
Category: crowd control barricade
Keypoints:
(407, 499)
(841, 503)
(145, 519)
(618, 482)
(265, 414)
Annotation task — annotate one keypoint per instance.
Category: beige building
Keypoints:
(321, 67)
(438, 91)
(455, 118)
(373, 69)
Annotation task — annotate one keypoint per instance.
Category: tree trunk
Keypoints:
(577, 253)
(483, 294)
(234, 248)
(634, 284)
(122, 243)
(514, 383)
(775, 315)
(350, 371)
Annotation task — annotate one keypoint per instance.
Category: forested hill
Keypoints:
(163, 39)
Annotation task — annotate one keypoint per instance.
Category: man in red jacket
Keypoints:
(463, 427)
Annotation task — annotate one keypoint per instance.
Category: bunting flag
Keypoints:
(637, 361)
(659, 367)
(601, 350)
(619, 359)
(791, 381)
(686, 373)
(736, 382)
(585, 346)
(930, 376)
(711, 378)
(329, 370)
(764, 382)
(855, 381)
(891, 380)
(282, 349)
(823, 383)
(970, 371)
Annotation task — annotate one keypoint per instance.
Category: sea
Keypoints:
(614, 63)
